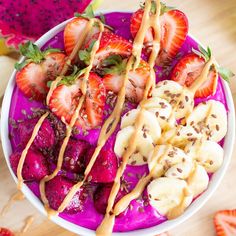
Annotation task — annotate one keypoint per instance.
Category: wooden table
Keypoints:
(213, 23)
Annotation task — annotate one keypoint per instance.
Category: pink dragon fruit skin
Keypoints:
(45, 137)
(35, 166)
(56, 191)
(105, 167)
(24, 20)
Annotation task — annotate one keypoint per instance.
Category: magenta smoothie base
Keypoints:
(142, 214)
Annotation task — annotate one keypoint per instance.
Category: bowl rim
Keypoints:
(163, 227)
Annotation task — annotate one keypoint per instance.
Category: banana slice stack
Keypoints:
(180, 98)
(179, 157)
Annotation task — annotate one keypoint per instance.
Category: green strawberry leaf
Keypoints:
(85, 55)
(225, 73)
(33, 54)
(71, 79)
(113, 64)
(88, 13)
(201, 52)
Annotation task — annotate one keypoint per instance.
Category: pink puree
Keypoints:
(89, 218)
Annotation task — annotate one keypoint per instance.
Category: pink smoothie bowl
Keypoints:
(163, 227)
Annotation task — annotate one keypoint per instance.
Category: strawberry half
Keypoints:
(187, 71)
(110, 44)
(37, 70)
(65, 98)
(225, 223)
(174, 30)
(73, 31)
(135, 23)
(136, 83)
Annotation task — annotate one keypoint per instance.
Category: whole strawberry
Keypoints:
(45, 137)
(57, 189)
(35, 166)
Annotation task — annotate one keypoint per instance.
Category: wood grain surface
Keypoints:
(213, 22)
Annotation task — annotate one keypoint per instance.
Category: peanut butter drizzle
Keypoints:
(124, 202)
(28, 222)
(203, 76)
(105, 228)
(18, 196)
(69, 129)
(25, 151)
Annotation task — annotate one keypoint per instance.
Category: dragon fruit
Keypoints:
(35, 166)
(56, 191)
(101, 197)
(45, 137)
(73, 156)
(105, 167)
(24, 20)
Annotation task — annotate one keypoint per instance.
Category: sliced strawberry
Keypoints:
(225, 223)
(110, 44)
(174, 29)
(73, 31)
(32, 79)
(65, 98)
(135, 24)
(187, 71)
(5, 232)
(136, 83)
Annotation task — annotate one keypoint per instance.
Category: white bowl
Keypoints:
(193, 208)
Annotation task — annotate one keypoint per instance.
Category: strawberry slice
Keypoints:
(73, 31)
(174, 30)
(187, 71)
(65, 98)
(37, 70)
(135, 23)
(5, 232)
(225, 223)
(136, 83)
(110, 44)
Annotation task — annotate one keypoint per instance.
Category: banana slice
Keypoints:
(181, 136)
(180, 171)
(209, 154)
(210, 118)
(151, 125)
(167, 194)
(180, 98)
(165, 156)
(162, 110)
(144, 145)
(198, 180)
